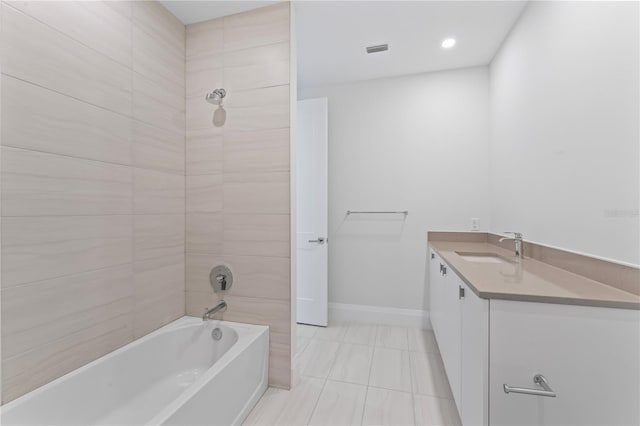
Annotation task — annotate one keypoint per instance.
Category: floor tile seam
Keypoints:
(315, 406)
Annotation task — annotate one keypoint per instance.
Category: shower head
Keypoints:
(216, 96)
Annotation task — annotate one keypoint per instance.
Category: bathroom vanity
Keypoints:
(500, 323)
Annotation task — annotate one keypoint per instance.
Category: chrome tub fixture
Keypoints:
(209, 313)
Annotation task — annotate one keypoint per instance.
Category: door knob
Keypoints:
(320, 240)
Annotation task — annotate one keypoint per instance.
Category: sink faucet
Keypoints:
(517, 238)
(208, 313)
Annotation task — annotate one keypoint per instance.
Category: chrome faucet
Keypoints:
(208, 313)
(517, 238)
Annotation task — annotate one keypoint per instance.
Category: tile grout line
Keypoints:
(324, 384)
(113, 111)
(375, 336)
(131, 165)
(364, 406)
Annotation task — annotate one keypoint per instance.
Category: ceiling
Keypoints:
(190, 12)
(332, 36)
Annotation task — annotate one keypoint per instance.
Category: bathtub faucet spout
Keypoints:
(208, 313)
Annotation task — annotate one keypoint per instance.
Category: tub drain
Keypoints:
(216, 334)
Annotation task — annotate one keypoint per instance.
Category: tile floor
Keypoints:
(356, 374)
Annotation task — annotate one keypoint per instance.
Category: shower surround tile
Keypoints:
(99, 25)
(34, 368)
(204, 193)
(65, 305)
(204, 232)
(257, 235)
(258, 193)
(258, 109)
(257, 151)
(158, 149)
(60, 124)
(159, 23)
(205, 38)
(39, 184)
(254, 276)
(158, 300)
(263, 66)
(204, 152)
(204, 73)
(158, 192)
(159, 61)
(158, 103)
(258, 27)
(199, 114)
(40, 248)
(238, 182)
(93, 182)
(157, 236)
(37, 53)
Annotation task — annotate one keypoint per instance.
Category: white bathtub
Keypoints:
(177, 375)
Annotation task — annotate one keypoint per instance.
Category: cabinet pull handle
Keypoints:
(433, 255)
(539, 380)
(460, 292)
(441, 266)
(444, 270)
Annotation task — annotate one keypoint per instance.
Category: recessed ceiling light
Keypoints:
(448, 43)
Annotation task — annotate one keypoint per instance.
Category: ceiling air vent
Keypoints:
(378, 48)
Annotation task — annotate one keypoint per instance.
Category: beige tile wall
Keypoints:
(238, 207)
(93, 182)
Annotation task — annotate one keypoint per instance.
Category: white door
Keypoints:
(312, 262)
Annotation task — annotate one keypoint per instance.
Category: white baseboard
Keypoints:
(365, 314)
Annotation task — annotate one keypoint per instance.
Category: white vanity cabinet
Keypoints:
(590, 357)
(446, 320)
(474, 348)
(460, 323)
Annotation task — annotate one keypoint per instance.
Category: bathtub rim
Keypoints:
(247, 334)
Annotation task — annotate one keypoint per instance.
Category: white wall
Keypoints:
(565, 131)
(417, 143)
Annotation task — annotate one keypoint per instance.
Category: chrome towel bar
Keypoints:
(539, 380)
(404, 212)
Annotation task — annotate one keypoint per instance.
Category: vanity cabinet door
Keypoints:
(435, 292)
(450, 340)
(474, 362)
(445, 318)
(589, 356)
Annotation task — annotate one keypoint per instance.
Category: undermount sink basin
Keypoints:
(481, 257)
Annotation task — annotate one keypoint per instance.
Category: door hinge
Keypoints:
(460, 292)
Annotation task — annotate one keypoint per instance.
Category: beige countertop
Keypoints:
(530, 281)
